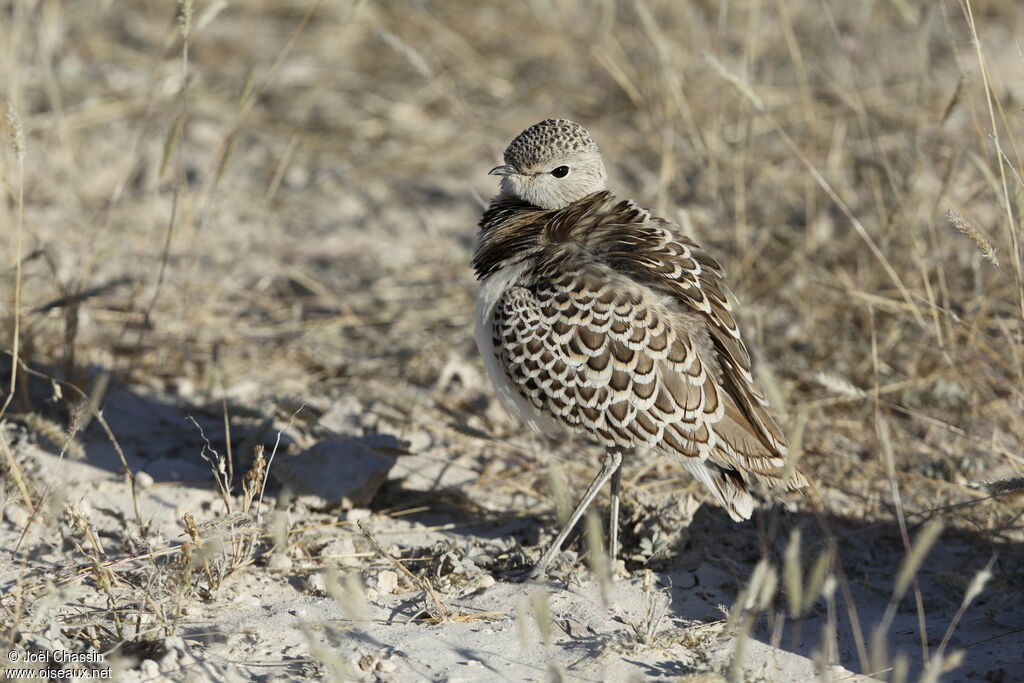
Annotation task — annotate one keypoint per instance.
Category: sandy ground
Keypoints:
(283, 618)
(248, 388)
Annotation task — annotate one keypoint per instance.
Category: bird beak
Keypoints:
(507, 169)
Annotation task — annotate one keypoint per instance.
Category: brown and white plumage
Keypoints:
(595, 316)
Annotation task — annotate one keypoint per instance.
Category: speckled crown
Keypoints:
(546, 140)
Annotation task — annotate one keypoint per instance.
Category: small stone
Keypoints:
(316, 584)
(186, 388)
(386, 666)
(387, 581)
(343, 416)
(346, 472)
(684, 581)
(143, 480)
(419, 441)
(486, 581)
(16, 515)
(369, 421)
(356, 514)
(365, 662)
(149, 668)
(296, 176)
(280, 561)
(169, 662)
(619, 569)
(342, 545)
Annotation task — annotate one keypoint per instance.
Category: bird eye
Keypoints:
(560, 172)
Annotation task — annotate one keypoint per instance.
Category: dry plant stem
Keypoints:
(744, 89)
(252, 96)
(49, 484)
(1011, 224)
(440, 610)
(597, 557)
(16, 473)
(180, 184)
(904, 535)
(97, 415)
(216, 463)
(19, 142)
(273, 452)
(227, 434)
(973, 589)
(263, 484)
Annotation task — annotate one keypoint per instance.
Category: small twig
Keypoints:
(14, 469)
(441, 611)
(217, 464)
(92, 409)
(17, 133)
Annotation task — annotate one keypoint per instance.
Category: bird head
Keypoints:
(552, 164)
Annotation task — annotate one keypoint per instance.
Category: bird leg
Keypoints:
(609, 469)
(613, 516)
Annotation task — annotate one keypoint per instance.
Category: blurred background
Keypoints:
(273, 204)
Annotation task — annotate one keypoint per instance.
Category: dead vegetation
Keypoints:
(259, 216)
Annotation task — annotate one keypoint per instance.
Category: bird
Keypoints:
(595, 316)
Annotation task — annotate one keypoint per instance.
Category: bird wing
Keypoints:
(650, 252)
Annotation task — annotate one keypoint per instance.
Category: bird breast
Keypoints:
(492, 288)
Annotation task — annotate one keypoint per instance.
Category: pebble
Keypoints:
(16, 515)
(356, 514)
(316, 584)
(345, 472)
(296, 176)
(387, 581)
(343, 416)
(169, 662)
(419, 441)
(143, 480)
(280, 561)
(369, 421)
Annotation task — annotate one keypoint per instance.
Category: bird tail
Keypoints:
(727, 485)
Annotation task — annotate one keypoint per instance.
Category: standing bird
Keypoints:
(595, 316)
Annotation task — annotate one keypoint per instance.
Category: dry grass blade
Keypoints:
(793, 574)
(738, 84)
(597, 555)
(817, 579)
(963, 227)
(541, 613)
(16, 133)
(351, 596)
(839, 385)
(923, 543)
